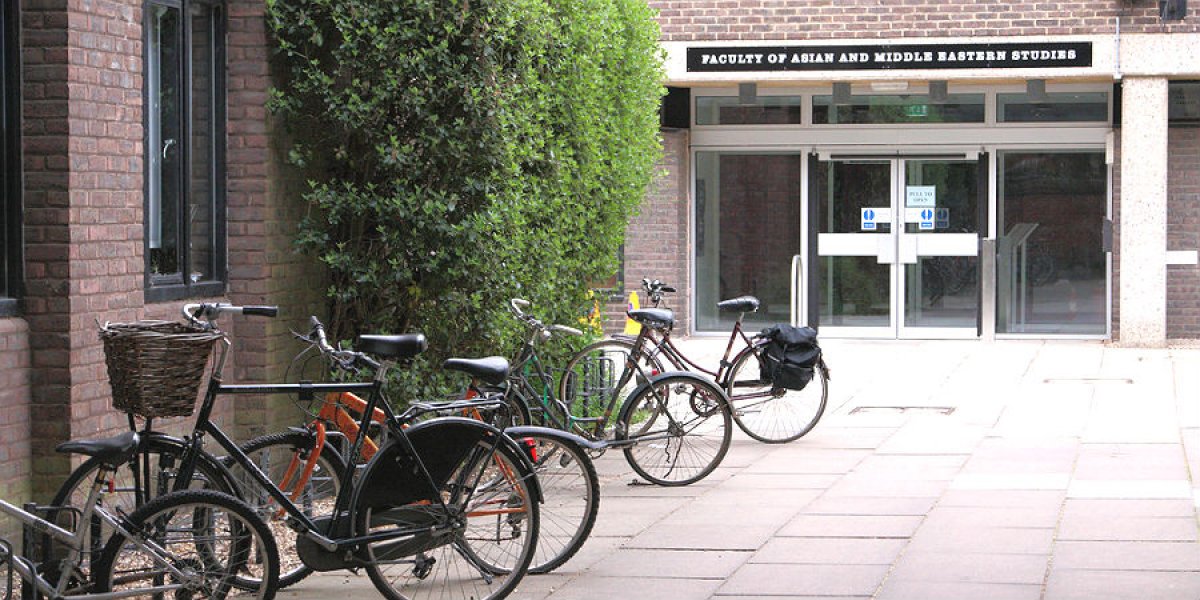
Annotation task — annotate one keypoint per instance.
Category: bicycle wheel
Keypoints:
(157, 464)
(593, 373)
(201, 541)
(479, 550)
(774, 416)
(682, 424)
(282, 457)
(571, 494)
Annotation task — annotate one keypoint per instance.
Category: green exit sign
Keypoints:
(917, 111)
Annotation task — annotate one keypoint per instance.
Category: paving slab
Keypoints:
(640, 588)
(792, 579)
(1065, 584)
(870, 505)
(860, 526)
(830, 551)
(959, 567)
(933, 590)
(1127, 556)
(1000, 540)
(1086, 527)
(696, 564)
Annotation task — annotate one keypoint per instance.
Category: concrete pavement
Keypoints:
(941, 470)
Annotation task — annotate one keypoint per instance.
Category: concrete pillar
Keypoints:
(1143, 251)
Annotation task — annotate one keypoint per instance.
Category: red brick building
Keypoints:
(139, 174)
(1055, 147)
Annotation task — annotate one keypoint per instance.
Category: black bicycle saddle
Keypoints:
(112, 451)
(654, 318)
(492, 370)
(739, 304)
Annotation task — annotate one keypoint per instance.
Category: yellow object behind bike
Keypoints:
(633, 327)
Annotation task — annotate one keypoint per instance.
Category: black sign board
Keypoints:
(873, 57)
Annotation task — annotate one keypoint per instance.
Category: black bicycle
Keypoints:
(449, 507)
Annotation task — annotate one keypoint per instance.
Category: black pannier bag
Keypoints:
(789, 357)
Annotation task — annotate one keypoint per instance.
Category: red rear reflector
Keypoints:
(530, 448)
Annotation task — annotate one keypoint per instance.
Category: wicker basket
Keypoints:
(155, 367)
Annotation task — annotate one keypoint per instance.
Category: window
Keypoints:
(185, 99)
(10, 161)
(765, 110)
(873, 109)
(1061, 107)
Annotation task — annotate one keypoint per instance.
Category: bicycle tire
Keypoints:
(317, 499)
(202, 512)
(684, 408)
(458, 553)
(782, 415)
(571, 498)
(593, 372)
(125, 493)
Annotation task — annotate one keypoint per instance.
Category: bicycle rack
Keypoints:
(38, 548)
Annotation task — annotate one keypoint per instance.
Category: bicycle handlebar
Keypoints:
(565, 329)
(209, 312)
(655, 290)
(516, 304)
(343, 359)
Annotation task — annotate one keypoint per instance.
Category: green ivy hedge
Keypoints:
(464, 152)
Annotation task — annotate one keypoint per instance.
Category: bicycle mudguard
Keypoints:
(392, 478)
(557, 434)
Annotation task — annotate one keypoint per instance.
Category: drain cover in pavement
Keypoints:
(941, 410)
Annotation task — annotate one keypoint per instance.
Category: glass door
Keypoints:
(897, 247)
(855, 247)
(938, 249)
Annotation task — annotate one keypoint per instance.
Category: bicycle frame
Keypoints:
(297, 519)
(76, 541)
(528, 357)
(662, 344)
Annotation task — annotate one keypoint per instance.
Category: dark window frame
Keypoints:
(177, 286)
(10, 161)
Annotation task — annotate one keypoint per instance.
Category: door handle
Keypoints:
(908, 249)
(797, 291)
(886, 252)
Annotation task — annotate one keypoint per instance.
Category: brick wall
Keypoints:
(15, 424)
(656, 242)
(1183, 232)
(700, 20)
(264, 209)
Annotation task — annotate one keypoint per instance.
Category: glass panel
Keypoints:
(1058, 106)
(845, 188)
(748, 211)
(941, 291)
(766, 110)
(1051, 267)
(163, 95)
(1183, 102)
(950, 189)
(855, 292)
(906, 108)
(202, 192)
